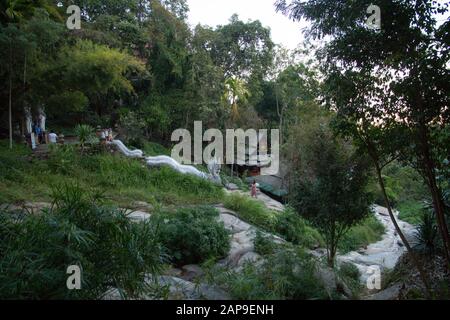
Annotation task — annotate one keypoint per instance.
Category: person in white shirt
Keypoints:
(52, 137)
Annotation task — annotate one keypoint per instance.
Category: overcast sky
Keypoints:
(218, 12)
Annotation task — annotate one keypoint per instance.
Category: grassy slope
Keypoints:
(121, 180)
(124, 181)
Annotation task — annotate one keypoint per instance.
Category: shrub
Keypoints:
(287, 274)
(112, 251)
(349, 274)
(293, 228)
(62, 158)
(264, 245)
(349, 270)
(427, 233)
(85, 133)
(251, 211)
(155, 149)
(368, 231)
(192, 235)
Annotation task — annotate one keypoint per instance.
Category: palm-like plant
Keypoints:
(85, 134)
(235, 93)
(427, 231)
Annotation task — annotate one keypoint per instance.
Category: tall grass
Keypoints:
(112, 251)
(252, 211)
(286, 274)
(368, 231)
(122, 180)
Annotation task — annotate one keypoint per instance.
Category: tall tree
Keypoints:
(407, 58)
(330, 189)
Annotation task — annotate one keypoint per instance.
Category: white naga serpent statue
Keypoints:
(213, 165)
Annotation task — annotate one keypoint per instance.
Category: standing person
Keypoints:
(52, 137)
(38, 132)
(254, 190)
(110, 135)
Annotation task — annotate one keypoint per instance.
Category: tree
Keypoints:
(235, 94)
(14, 43)
(330, 188)
(408, 61)
(242, 49)
(296, 85)
(98, 72)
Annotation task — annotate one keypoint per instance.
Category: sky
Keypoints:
(218, 12)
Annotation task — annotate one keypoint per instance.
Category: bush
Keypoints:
(155, 149)
(350, 271)
(85, 133)
(62, 158)
(427, 233)
(264, 245)
(192, 235)
(349, 274)
(252, 211)
(295, 229)
(368, 231)
(112, 251)
(287, 274)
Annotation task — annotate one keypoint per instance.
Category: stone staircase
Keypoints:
(41, 151)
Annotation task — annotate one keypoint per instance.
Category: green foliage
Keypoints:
(264, 244)
(132, 126)
(287, 274)
(192, 235)
(406, 190)
(62, 159)
(85, 133)
(123, 180)
(368, 231)
(427, 233)
(349, 274)
(251, 211)
(155, 149)
(293, 228)
(330, 190)
(112, 251)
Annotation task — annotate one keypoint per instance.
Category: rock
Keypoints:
(37, 207)
(231, 187)
(213, 293)
(142, 206)
(10, 207)
(391, 293)
(174, 272)
(112, 294)
(249, 257)
(186, 290)
(328, 279)
(139, 216)
(233, 224)
(191, 272)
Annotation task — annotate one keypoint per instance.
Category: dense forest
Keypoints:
(363, 116)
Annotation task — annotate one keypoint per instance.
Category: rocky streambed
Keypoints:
(384, 253)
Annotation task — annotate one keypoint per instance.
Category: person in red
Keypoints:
(254, 190)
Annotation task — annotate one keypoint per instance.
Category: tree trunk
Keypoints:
(10, 97)
(280, 115)
(10, 113)
(436, 195)
(414, 259)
